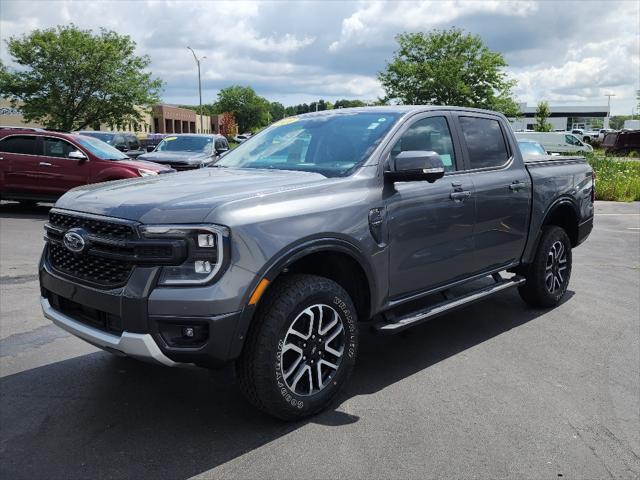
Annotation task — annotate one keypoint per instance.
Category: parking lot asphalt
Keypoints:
(495, 390)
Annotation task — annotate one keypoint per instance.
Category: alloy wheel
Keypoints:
(556, 267)
(312, 350)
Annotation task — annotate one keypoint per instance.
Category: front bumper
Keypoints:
(134, 319)
(138, 345)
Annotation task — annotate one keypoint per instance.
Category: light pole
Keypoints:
(608, 95)
(199, 84)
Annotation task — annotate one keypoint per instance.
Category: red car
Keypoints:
(39, 165)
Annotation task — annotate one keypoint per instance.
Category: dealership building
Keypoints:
(564, 117)
(161, 118)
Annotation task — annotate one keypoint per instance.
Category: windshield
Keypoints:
(105, 137)
(531, 148)
(100, 149)
(186, 144)
(333, 145)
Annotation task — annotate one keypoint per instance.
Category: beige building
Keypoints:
(12, 117)
(160, 119)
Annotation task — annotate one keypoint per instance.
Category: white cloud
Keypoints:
(294, 52)
(372, 19)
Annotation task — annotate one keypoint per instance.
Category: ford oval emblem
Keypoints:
(74, 241)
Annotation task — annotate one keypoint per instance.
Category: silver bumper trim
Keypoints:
(138, 345)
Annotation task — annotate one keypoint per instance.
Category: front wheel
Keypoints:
(548, 275)
(301, 348)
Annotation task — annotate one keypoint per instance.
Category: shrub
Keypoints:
(616, 179)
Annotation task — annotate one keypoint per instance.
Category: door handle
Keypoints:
(44, 164)
(456, 184)
(517, 186)
(459, 196)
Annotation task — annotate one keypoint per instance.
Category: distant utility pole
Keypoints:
(199, 84)
(606, 120)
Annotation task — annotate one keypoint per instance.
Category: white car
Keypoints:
(557, 142)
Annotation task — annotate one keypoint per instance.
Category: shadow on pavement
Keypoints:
(17, 210)
(98, 416)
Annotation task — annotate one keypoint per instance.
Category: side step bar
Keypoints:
(415, 318)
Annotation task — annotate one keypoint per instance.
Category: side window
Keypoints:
(571, 140)
(429, 134)
(134, 144)
(485, 142)
(24, 144)
(56, 147)
(118, 141)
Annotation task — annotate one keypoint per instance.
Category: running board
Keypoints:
(416, 318)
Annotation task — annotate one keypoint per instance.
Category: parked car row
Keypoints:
(38, 165)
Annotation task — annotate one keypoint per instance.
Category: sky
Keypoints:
(565, 52)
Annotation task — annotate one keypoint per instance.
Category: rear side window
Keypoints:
(56, 147)
(24, 144)
(134, 144)
(429, 134)
(485, 142)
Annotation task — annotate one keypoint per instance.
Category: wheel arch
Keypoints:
(563, 213)
(333, 258)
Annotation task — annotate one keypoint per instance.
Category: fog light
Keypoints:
(188, 332)
(206, 240)
(203, 266)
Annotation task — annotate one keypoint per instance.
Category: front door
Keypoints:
(59, 173)
(502, 190)
(430, 224)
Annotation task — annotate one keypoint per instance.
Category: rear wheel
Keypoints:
(301, 349)
(549, 273)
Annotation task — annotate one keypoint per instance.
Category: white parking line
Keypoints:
(617, 214)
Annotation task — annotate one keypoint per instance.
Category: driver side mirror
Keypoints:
(151, 148)
(122, 147)
(77, 155)
(414, 165)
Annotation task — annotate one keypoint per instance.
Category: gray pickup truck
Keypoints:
(273, 257)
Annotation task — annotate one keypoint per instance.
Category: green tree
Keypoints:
(276, 111)
(349, 103)
(71, 79)
(542, 113)
(250, 110)
(448, 67)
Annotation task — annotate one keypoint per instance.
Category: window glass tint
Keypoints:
(332, 144)
(431, 135)
(19, 144)
(485, 142)
(56, 147)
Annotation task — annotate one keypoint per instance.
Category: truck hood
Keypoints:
(186, 197)
(189, 158)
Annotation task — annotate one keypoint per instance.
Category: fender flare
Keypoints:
(281, 261)
(558, 202)
(308, 246)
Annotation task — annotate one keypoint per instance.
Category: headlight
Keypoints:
(146, 173)
(207, 251)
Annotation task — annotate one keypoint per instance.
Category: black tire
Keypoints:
(548, 275)
(268, 354)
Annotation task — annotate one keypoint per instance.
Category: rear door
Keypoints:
(430, 224)
(19, 163)
(502, 190)
(59, 173)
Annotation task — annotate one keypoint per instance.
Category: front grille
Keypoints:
(112, 249)
(97, 227)
(90, 268)
(89, 316)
